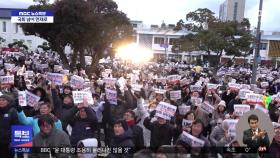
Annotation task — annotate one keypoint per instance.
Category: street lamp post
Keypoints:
(257, 48)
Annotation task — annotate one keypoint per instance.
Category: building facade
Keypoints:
(232, 10)
(12, 32)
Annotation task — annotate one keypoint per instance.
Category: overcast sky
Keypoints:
(171, 11)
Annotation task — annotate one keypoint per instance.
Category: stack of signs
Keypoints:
(175, 95)
(22, 98)
(183, 109)
(241, 109)
(186, 122)
(243, 92)
(7, 80)
(56, 78)
(253, 98)
(196, 88)
(207, 108)
(192, 141)
(77, 82)
(261, 108)
(32, 99)
(184, 82)
(111, 96)
(264, 84)
(212, 86)
(232, 127)
(79, 96)
(234, 86)
(165, 110)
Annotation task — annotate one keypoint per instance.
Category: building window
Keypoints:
(158, 40)
(4, 26)
(235, 11)
(263, 46)
(172, 41)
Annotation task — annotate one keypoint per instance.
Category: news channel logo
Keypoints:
(32, 16)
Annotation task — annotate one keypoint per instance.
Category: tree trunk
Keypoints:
(62, 55)
(73, 60)
(82, 59)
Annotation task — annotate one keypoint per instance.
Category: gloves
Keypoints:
(152, 114)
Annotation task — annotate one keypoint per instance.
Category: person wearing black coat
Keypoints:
(123, 137)
(161, 131)
(8, 117)
(83, 124)
(230, 105)
(138, 137)
(65, 109)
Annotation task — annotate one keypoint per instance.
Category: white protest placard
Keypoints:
(183, 109)
(196, 100)
(191, 140)
(207, 107)
(173, 78)
(186, 122)
(245, 86)
(32, 99)
(110, 81)
(55, 78)
(264, 84)
(30, 73)
(254, 98)
(241, 109)
(175, 95)
(9, 66)
(88, 60)
(5, 80)
(184, 82)
(136, 87)
(78, 97)
(261, 108)
(211, 86)
(165, 110)
(159, 91)
(111, 96)
(196, 88)
(234, 86)
(65, 72)
(232, 126)
(243, 92)
(276, 125)
(44, 66)
(77, 82)
(22, 98)
(57, 68)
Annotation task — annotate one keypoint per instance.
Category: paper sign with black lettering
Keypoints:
(254, 98)
(173, 78)
(29, 73)
(77, 82)
(110, 81)
(183, 109)
(22, 98)
(136, 87)
(175, 95)
(7, 80)
(161, 80)
(159, 91)
(241, 109)
(232, 126)
(207, 107)
(234, 86)
(264, 84)
(111, 96)
(192, 141)
(9, 66)
(32, 99)
(165, 110)
(245, 86)
(196, 100)
(211, 86)
(186, 122)
(243, 92)
(196, 88)
(56, 78)
(78, 97)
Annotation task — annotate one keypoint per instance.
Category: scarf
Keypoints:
(130, 123)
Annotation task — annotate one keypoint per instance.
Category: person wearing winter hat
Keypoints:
(8, 117)
(219, 113)
(123, 137)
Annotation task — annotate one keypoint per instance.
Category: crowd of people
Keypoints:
(132, 121)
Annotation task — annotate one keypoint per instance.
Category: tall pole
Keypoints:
(257, 48)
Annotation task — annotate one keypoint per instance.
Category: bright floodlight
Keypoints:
(134, 53)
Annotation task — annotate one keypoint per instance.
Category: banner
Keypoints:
(32, 99)
(21, 136)
(196, 88)
(175, 95)
(241, 109)
(111, 96)
(78, 97)
(186, 122)
(6, 80)
(191, 140)
(55, 78)
(207, 108)
(77, 82)
(243, 92)
(22, 98)
(165, 110)
(232, 127)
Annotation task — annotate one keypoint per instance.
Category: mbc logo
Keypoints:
(24, 13)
